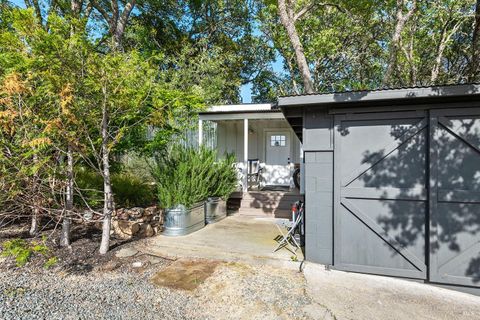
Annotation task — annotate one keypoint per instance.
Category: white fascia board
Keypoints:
(239, 108)
(241, 116)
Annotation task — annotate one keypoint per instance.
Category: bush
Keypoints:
(22, 251)
(128, 190)
(225, 178)
(186, 176)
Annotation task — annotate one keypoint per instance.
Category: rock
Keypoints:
(125, 229)
(88, 215)
(150, 211)
(146, 230)
(136, 212)
(154, 260)
(126, 252)
(122, 214)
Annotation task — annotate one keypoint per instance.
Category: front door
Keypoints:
(277, 169)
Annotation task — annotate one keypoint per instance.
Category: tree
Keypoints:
(288, 18)
(401, 19)
(475, 55)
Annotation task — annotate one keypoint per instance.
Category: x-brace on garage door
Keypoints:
(400, 176)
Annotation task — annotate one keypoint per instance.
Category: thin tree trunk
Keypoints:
(65, 236)
(107, 187)
(446, 36)
(400, 21)
(287, 18)
(35, 223)
(474, 59)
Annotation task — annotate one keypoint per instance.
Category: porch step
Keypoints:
(268, 203)
(257, 212)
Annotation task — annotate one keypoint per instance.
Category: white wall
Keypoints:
(230, 138)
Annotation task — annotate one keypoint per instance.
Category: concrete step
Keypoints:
(254, 212)
(285, 205)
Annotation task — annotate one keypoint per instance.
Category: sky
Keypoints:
(245, 90)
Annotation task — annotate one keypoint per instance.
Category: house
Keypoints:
(392, 181)
(267, 152)
(391, 177)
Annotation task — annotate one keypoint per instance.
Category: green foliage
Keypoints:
(224, 180)
(50, 262)
(188, 175)
(129, 190)
(19, 249)
(22, 250)
(90, 186)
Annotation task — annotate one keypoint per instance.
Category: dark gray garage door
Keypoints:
(392, 172)
(455, 197)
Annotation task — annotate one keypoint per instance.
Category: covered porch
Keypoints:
(267, 152)
(265, 146)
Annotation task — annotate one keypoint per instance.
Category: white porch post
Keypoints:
(200, 132)
(245, 155)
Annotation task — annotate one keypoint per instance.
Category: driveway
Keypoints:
(360, 296)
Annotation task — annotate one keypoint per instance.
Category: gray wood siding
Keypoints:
(317, 130)
(319, 206)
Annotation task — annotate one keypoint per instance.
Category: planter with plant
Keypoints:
(183, 177)
(222, 185)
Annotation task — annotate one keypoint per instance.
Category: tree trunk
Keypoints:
(36, 209)
(446, 36)
(474, 63)
(121, 24)
(35, 223)
(287, 18)
(107, 187)
(65, 236)
(400, 21)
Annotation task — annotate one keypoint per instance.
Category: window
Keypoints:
(278, 141)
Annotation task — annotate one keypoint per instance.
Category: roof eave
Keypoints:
(405, 94)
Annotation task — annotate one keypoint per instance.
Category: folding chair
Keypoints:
(288, 238)
(253, 171)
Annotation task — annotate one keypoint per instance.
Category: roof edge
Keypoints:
(379, 95)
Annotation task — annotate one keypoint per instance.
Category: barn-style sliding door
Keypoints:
(455, 197)
(381, 193)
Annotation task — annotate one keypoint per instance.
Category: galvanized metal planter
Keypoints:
(215, 209)
(181, 220)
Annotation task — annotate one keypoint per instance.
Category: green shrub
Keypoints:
(19, 249)
(225, 179)
(128, 190)
(91, 185)
(50, 262)
(23, 250)
(186, 176)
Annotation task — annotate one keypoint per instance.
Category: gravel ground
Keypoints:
(118, 291)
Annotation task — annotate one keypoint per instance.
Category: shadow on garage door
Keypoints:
(399, 177)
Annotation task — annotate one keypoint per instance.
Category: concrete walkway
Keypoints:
(235, 238)
(360, 296)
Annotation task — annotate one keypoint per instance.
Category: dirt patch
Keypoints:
(185, 274)
(80, 258)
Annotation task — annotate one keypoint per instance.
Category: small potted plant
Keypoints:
(183, 176)
(224, 182)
